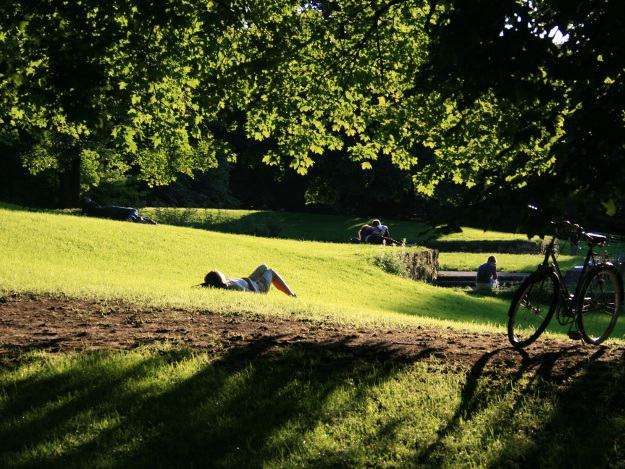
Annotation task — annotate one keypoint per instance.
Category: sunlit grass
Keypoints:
(160, 265)
(470, 261)
(305, 405)
(80, 256)
(301, 407)
(477, 234)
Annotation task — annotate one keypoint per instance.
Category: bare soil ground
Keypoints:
(56, 324)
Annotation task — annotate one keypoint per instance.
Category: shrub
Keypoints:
(416, 265)
(391, 262)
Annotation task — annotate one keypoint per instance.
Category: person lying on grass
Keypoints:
(114, 212)
(259, 281)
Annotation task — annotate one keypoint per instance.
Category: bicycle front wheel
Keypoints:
(532, 307)
(599, 303)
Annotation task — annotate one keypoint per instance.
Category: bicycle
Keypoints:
(590, 311)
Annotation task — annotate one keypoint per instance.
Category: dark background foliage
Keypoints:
(457, 111)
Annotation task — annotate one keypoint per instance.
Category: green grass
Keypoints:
(304, 405)
(477, 234)
(507, 262)
(335, 228)
(316, 406)
(159, 265)
(80, 256)
(311, 227)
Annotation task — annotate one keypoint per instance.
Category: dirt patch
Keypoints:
(60, 324)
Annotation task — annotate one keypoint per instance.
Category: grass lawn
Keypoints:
(335, 228)
(81, 256)
(159, 265)
(164, 406)
(308, 226)
(508, 262)
(303, 405)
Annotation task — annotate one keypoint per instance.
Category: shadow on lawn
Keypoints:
(329, 228)
(248, 406)
(584, 427)
(289, 225)
(255, 405)
(587, 426)
(286, 225)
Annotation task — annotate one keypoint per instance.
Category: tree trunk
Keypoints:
(69, 184)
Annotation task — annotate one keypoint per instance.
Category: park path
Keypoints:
(56, 324)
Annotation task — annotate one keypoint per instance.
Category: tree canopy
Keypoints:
(474, 93)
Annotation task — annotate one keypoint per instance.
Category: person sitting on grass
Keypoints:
(486, 278)
(259, 281)
(379, 234)
(363, 233)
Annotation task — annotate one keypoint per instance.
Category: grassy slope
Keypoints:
(159, 264)
(80, 256)
(315, 406)
(309, 226)
(335, 228)
(508, 262)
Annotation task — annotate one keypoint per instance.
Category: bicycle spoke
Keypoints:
(532, 309)
(600, 305)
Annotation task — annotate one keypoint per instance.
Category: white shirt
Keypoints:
(237, 284)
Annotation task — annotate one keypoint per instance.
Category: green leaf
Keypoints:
(610, 207)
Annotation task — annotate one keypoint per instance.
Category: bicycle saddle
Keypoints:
(595, 238)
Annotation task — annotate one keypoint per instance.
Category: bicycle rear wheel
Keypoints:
(532, 307)
(599, 303)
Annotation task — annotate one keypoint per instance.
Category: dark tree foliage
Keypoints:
(354, 104)
(506, 47)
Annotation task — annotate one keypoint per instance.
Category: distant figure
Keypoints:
(259, 281)
(486, 278)
(114, 212)
(364, 231)
(379, 234)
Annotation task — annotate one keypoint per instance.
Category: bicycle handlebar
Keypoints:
(574, 231)
(567, 225)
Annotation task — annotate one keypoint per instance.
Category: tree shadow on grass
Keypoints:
(255, 403)
(273, 224)
(586, 427)
(285, 225)
(248, 406)
(564, 385)
(440, 304)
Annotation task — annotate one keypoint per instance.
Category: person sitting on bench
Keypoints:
(486, 278)
(258, 281)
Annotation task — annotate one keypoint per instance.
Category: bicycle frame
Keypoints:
(565, 296)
